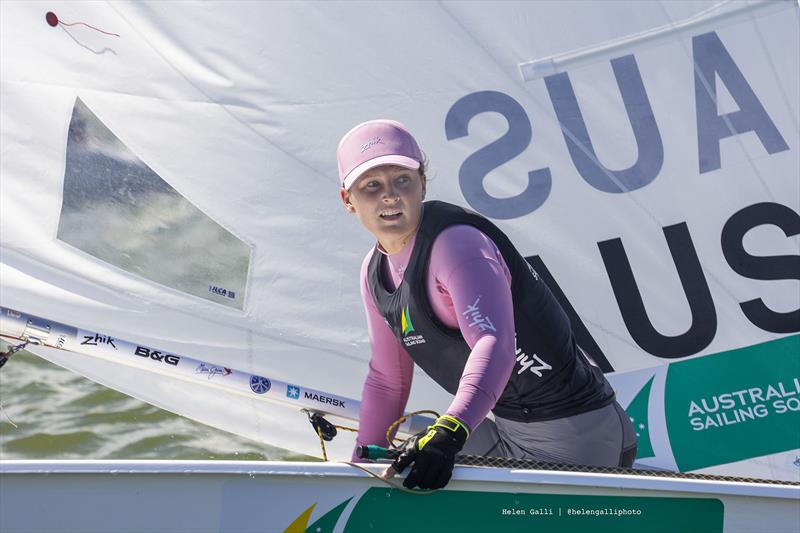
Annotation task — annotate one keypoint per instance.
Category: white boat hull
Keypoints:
(201, 496)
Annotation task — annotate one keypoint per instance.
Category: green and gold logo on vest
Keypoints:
(407, 328)
(405, 322)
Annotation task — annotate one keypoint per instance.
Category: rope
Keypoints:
(322, 442)
(402, 419)
(389, 439)
(389, 431)
(3, 410)
(14, 349)
(392, 485)
(4, 356)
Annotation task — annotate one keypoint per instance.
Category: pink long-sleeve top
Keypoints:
(465, 267)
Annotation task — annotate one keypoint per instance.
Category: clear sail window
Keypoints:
(118, 210)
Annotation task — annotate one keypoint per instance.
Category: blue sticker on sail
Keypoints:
(293, 392)
(259, 384)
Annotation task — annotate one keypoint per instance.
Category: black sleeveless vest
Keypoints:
(551, 378)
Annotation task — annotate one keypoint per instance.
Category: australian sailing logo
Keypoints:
(259, 384)
(407, 328)
(212, 371)
(155, 355)
(98, 340)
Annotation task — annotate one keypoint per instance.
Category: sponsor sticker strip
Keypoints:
(101, 345)
(96, 344)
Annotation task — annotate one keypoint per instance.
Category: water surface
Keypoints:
(52, 413)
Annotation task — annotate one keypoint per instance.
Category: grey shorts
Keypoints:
(603, 437)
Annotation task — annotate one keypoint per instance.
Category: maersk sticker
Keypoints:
(259, 384)
(293, 392)
(321, 398)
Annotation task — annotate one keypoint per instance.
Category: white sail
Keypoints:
(168, 178)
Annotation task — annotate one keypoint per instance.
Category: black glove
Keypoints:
(433, 453)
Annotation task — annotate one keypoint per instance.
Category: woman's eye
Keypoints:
(403, 179)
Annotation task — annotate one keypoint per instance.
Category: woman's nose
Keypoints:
(390, 194)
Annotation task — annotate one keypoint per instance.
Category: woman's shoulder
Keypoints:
(366, 260)
(461, 238)
(460, 245)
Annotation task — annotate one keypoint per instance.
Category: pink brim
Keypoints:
(399, 160)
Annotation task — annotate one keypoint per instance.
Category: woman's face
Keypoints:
(388, 202)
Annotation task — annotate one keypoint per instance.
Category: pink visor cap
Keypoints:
(372, 144)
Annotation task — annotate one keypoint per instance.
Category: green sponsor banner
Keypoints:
(734, 405)
(389, 510)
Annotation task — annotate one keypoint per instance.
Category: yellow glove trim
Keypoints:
(447, 422)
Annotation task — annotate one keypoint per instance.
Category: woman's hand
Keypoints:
(432, 452)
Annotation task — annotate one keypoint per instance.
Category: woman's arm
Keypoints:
(388, 382)
(473, 281)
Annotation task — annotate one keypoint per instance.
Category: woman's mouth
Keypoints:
(391, 215)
